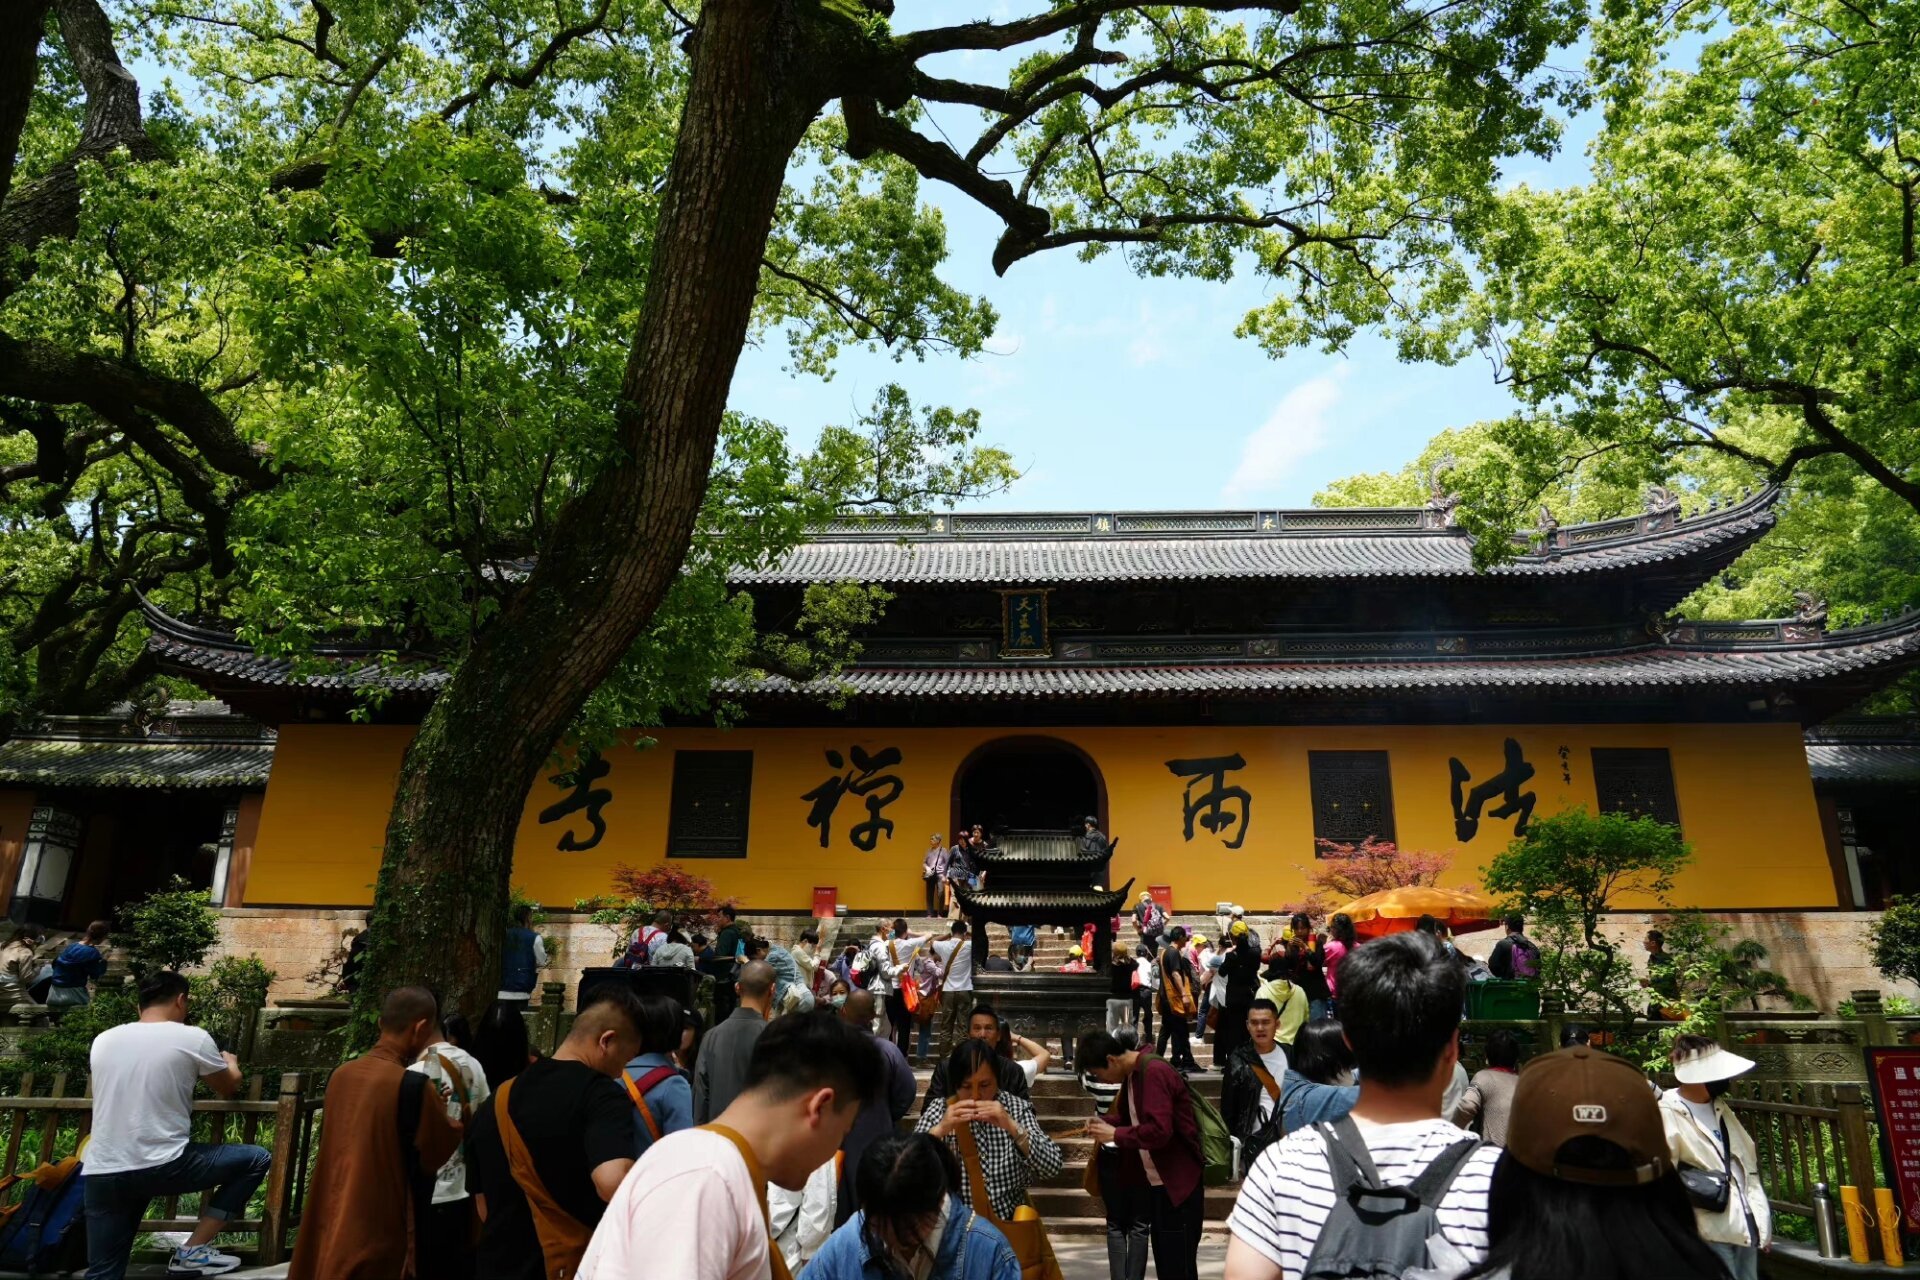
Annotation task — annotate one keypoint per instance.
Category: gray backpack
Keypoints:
(1377, 1232)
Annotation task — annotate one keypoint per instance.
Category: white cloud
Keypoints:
(1297, 428)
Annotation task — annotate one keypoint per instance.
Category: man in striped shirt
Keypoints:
(1401, 1014)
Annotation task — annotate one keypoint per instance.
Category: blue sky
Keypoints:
(1120, 392)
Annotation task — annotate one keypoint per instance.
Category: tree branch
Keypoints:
(915, 45)
(525, 76)
(847, 309)
(1811, 400)
(1824, 426)
(360, 83)
(868, 131)
(41, 372)
(51, 205)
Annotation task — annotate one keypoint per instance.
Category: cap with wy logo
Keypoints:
(1584, 1093)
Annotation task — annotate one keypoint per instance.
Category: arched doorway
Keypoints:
(1028, 783)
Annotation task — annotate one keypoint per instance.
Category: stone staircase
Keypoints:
(1063, 1106)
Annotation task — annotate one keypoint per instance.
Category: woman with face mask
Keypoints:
(1706, 1136)
(912, 1224)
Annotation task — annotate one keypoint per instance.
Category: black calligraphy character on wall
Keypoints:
(1566, 772)
(864, 780)
(1213, 806)
(1505, 784)
(585, 796)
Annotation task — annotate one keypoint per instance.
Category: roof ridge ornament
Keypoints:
(1546, 530)
(1662, 501)
(1810, 609)
(1442, 503)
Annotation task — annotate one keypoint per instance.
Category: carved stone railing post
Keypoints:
(1553, 1016)
(553, 1000)
(1871, 1014)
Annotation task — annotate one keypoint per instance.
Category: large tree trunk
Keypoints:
(440, 903)
(22, 23)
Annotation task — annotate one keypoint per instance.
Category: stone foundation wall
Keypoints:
(1823, 953)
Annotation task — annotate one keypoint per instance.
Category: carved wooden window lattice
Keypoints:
(712, 793)
(1636, 780)
(1352, 796)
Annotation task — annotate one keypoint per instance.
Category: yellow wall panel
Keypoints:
(1745, 799)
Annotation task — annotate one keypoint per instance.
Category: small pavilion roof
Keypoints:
(1042, 906)
(1037, 849)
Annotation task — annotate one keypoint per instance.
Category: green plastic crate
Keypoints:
(1497, 1001)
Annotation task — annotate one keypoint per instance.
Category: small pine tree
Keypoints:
(170, 928)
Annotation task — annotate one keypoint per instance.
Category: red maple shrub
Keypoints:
(669, 887)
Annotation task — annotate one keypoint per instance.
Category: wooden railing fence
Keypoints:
(1808, 1133)
(41, 1128)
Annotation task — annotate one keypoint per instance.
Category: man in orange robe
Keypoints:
(360, 1210)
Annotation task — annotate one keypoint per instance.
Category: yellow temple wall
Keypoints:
(1745, 799)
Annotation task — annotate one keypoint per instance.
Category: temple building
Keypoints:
(1221, 690)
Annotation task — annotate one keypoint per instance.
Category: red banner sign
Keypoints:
(824, 902)
(1895, 1074)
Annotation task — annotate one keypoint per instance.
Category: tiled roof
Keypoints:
(1178, 546)
(180, 744)
(1878, 764)
(1046, 906)
(48, 762)
(1733, 655)
(1866, 750)
(219, 655)
(1669, 666)
(1032, 849)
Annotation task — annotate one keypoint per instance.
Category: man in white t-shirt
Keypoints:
(1401, 1015)
(461, 1083)
(954, 957)
(694, 1208)
(143, 1079)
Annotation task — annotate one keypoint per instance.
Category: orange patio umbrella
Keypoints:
(1396, 910)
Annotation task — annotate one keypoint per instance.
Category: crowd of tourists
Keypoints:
(57, 975)
(784, 1140)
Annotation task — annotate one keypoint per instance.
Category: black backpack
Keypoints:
(1376, 1232)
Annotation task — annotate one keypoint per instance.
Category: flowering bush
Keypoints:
(1344, 872)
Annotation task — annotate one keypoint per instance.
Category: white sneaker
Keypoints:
(201, 1260)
